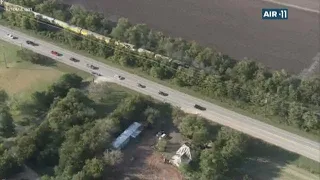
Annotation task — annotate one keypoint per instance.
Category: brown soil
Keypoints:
(142, 162)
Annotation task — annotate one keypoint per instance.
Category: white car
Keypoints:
(11, 36)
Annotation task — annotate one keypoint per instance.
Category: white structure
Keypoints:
(182, 156)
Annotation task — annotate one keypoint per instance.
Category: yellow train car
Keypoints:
(84, 32)
(107, 40)
(61, 24)
(74, 29)
(96, 35)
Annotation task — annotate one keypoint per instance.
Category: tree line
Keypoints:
(65, 145)
(62, 140)
(283, 97)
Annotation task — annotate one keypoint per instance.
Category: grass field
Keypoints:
(23, 78)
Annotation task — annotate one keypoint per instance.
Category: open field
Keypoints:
(23, 78)
(233, 27)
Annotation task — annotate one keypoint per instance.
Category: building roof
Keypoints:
(132, 131)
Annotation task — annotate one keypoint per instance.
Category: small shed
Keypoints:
(182, 156)
(131, 132)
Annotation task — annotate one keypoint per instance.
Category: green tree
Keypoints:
(295, 113)
(205, 57)
(113, 157)
(7, 128)
(8, 165)
(212, 165)
(311, 121)
(195, 128)
(74, 109)
(119, 31)
(152, 115)
(94, 168)
(3, 96)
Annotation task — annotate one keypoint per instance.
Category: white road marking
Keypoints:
(293, 6)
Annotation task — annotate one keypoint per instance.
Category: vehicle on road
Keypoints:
(141, 85)
(56, 53)
(163, 93)
(96, 73)
(119, 77)
(200, 107)
(74, 59)
(92, 66)
(32, 43)
(12, 36)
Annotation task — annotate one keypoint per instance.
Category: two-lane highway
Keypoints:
(214, 113)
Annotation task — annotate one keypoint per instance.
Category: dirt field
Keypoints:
(141, 162)
(233, 27)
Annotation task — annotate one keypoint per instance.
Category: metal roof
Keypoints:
(132, 131)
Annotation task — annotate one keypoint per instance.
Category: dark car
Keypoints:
(163, 93)
(141, 85)
(56, 53)
(121, 78)
(32, 43)
(95, 73)
(92, 66)
(74, 59)
(200, 107)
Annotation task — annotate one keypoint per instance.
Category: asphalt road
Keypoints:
(233, 27)
(214, 113)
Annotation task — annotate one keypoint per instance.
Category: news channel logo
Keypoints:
(274, 14)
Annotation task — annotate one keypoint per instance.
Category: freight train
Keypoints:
(84, 32)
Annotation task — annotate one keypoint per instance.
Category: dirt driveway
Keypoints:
(143, 163)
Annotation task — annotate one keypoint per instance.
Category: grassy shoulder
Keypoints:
(21, 78)
(226, 104)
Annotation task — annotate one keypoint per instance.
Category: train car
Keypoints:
(84, 32)
(61, 24)
(96, 35)
(127, 45)
(41, 16)
(140, 50)
(159, 56)
(74, 29)
(107, 40)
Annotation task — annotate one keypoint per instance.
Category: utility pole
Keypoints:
(5, 60)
